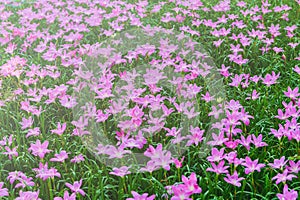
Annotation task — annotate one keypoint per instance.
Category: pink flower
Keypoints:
(164, 160)
(245, 141)
(144, 196)
(224, 71)
(26, 123)
(39, 149)
(44, 173)
(233, 105)
(76, 187)
(150, 167)
(207, 97)
(231, 144)
(11, 152)
(60, 157)
(234, 179)
(293, 94)
(33, 132)
(217, 139)
(251, 166)
(28, 195)
(180, 193)
(68, 101)
(283, 177)
(278, 163)
(218, 42)
(136, 115)
(216, 155)
(288, 195)
(154, 153)
(24, 181)
(257, 141)
(281, 115)
(190, 113)
(270, 79)
(219, 169)
(77, 158)
(114, 152)
(190, 185)
(232, 158)
(254, 95)
(245, 117)
(67, 196)
(3, 191)
(178, 163)
(60, 128)
(122, 171)
(153, 76)
(297, 69)
(294, 167)
(196, 137)
(215, 112)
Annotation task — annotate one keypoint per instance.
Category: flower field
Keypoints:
(149, 99)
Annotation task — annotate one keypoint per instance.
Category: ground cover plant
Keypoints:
(144, 100)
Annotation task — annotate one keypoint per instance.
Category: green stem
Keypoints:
(298, 150)
(124, 184)
(253, 184)
(216, 178)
